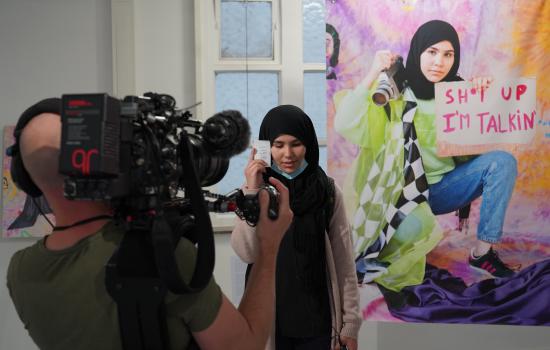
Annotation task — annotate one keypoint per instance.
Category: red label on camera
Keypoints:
(81, 159)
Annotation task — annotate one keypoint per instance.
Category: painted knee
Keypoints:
(504, 163)
(509, 164)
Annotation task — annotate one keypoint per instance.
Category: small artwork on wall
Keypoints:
(21, 214)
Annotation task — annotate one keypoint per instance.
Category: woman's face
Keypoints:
(288, 153)
(437, 60)
(329, 45)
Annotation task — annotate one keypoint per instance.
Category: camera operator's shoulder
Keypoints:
(24, 261)
(186, 256)
(185, 246)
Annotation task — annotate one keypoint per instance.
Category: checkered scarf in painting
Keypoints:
(376, 213)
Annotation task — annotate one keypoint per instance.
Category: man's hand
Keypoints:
(249, 327)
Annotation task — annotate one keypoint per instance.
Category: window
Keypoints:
(254, 55)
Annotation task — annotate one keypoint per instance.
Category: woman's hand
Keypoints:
(350, 343)
(463, 225)
(481, 83)
(254, 170)
(383, 59)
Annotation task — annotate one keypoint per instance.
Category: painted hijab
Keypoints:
(426, 35)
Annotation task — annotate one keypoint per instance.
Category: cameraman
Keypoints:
(57, 284)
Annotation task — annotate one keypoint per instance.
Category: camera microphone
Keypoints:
(226, 133)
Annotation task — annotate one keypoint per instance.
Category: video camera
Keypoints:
(130, 151)
(391, 83)
(248, 205)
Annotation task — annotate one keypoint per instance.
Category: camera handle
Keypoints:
(144, 268)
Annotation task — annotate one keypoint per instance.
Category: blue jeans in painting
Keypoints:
(491, 175)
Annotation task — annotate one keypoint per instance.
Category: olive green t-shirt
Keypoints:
(61, 298)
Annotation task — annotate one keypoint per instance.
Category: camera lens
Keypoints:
(383, 93)
(211, 168)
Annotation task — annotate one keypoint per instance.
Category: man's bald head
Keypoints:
(40, 144)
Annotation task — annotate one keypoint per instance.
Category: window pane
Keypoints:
(246, 29)
(313, 12)
(314, 101)
(253, 97)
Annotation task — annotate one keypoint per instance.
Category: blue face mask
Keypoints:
(293, 174)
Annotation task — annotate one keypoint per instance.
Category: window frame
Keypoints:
(287, 59)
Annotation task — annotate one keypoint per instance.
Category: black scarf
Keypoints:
(308, 194)
(426, 35)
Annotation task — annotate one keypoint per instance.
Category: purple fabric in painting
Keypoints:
(523, 299)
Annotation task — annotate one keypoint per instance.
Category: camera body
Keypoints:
(391, 83)
(130, 151)
(248, 205)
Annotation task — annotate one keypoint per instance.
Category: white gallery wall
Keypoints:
(51, 47)
(46, 48)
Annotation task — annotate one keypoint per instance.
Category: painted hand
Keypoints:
(463, 225)
(481, 83)
(350, 343)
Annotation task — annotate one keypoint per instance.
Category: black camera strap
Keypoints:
(196, 227)
(133, 281)
(144, 266)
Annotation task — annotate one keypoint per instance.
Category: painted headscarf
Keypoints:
(426, 35)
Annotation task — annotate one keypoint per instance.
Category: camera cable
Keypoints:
(83, 222)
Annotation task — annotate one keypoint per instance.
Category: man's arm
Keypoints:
(249, 326)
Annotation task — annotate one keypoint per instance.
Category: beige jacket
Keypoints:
(341, 275)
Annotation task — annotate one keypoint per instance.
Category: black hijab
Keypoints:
(308, 191)
(426, 35)
(291, 120)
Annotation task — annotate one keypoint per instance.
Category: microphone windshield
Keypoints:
(226, 133)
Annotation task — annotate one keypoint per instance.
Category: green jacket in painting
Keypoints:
(376, 180)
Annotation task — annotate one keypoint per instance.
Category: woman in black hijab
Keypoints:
(421, 77)
(315, 269)
(443, 182)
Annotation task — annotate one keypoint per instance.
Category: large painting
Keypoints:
(500, 39)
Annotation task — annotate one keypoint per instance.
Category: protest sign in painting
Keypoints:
(471, 121)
